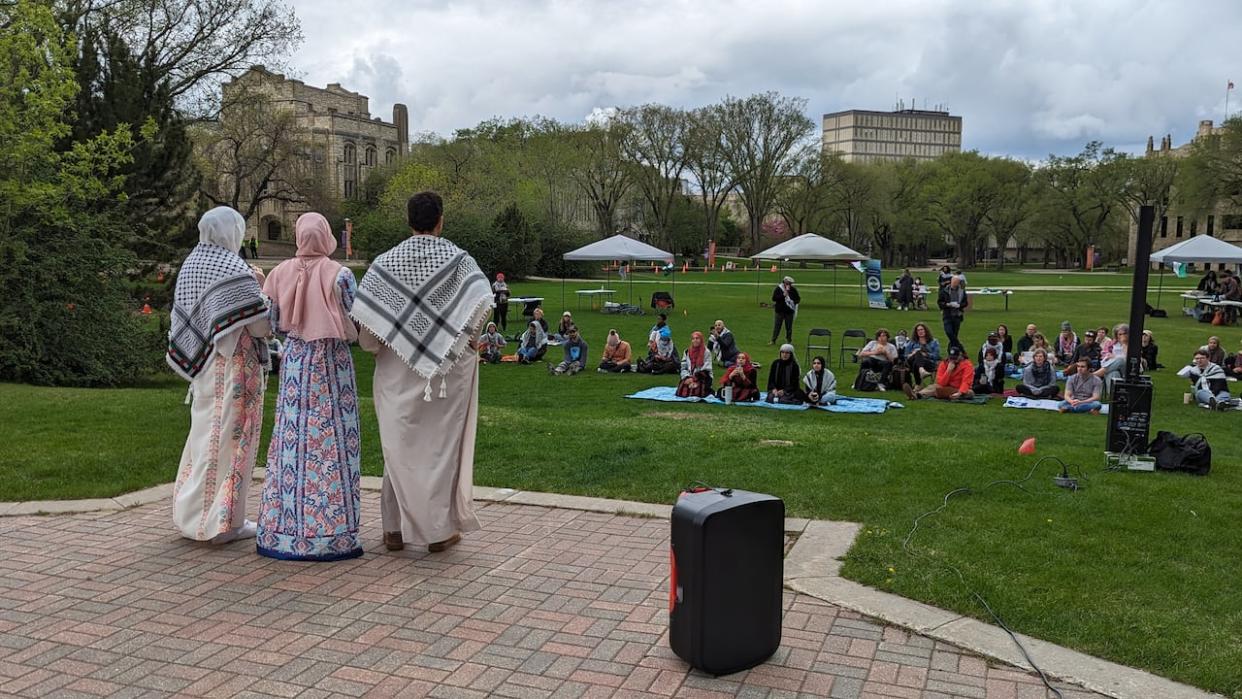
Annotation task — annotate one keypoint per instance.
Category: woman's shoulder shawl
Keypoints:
(216, 294)
(420, 299)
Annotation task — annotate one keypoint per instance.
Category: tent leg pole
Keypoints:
(1160, 290)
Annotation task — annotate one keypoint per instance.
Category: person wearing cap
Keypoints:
(662, 356)
(785, 300)
(1150, 352)
(575, 358)
(953, 302)
(1067, 342)
(954, 378)
(617, 355)
(784, 377)
(1082, 389)
(1087, 350)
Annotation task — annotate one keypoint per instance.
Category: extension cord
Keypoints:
(1066, 482)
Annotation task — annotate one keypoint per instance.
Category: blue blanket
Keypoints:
(845, 404)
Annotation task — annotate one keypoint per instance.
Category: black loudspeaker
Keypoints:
(727, 557)
(1129, 416)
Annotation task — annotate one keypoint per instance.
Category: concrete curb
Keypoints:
(812, 567)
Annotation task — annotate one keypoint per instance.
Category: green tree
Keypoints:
(707, 165)
(1013, 207)
(961, 193)
(62, 255)
(518, 241)
(654, 144)
(1077, 197)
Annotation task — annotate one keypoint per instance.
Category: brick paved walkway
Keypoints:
(542, 603)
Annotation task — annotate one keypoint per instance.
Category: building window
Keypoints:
(390, 156)
(1164, 226)
(1211, 225)
(370, 156)
(1231, 222)
(351, 153)
(350, 189)
(1194, 227)
(1179, 226)
(319, 154)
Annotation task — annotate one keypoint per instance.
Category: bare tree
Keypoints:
(654, 144)
(600, 171)
(255, 152)
(759, 133)
(706, 163)
(802, 198)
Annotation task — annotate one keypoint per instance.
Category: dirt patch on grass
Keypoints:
(669, 415)
(775, 443)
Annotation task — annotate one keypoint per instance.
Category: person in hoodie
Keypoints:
(617, 355)
(990, 374)
(575, 348)
(1208, 380)
(696, 369)
(533, 344)
(783, 379)
(820, 384)
(490, 343)
(662, 357)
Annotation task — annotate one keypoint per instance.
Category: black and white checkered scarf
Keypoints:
(424, 298)
(216, 294)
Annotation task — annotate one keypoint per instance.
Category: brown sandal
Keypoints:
(393, 541)
(441, 546)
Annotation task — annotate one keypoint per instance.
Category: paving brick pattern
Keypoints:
(542, 603)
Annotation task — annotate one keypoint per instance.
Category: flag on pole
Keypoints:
(1230, 86)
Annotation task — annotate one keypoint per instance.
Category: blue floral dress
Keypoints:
(311, 500)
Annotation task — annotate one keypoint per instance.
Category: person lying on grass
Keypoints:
(820, 384)
(739, 384)
(617, 355)
(1082, 390)
(783, 378)
(954, 377)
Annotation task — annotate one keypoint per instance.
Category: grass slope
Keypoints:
(1137, 568)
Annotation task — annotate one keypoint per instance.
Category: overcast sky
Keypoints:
(1028, 78)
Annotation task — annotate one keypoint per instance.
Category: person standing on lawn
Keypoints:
(785, 300)
(500, 293)
(1082, 391)
(312, 502)
(217, 342)
(953, 303)
(422, 304)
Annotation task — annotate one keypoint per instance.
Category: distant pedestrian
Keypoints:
(500, 295)
(946, 273)
(254, 248)
(905, 290)
(953, 303)
(785, 300)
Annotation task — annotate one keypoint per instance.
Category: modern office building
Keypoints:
(861, 135)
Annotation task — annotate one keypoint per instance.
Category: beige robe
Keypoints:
(427, 492)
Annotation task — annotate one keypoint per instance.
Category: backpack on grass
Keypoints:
(1191, 453)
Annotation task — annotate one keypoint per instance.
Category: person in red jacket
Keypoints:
(954, 378)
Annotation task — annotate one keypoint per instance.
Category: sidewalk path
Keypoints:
(544, 602)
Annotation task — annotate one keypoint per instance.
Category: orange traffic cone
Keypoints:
(146, 309)
(1028, 447)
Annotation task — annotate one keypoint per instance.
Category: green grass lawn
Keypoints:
(1139, 568)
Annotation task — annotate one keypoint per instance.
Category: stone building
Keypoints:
(859, 135)
(343, 141)
(1224, 221)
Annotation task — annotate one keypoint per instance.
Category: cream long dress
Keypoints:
(428, 446)
(226, 418)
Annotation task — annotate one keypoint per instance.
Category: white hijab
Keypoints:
(223, 227)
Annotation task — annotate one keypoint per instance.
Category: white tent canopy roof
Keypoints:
(618, 247)
(810, 247)
(1201, 248)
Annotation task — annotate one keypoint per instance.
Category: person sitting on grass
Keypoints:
(1104, 341)
(490, 343)
(1006, 340)
(1067, 342)
(875, 363)
(696, 369)
(538, 318)
(739, 384)
(1027, 342)
(722, 344)
(920, 294)
(820, 384)
(617, 355)
(662, 357)
(562, 330)
(783, 376)
(990, 374)
(1039, 378)
(1215, 353)
(1151, 352)
(1113, 362)
(1087, 350)
(1041, 342)
(922, 352)
(533, 344)
(993, 342)
(1082, 390)
(654, 335)
(1233, 365)
(954, 377)
(575, 353)
(1209, 380)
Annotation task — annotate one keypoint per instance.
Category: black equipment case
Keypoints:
(727, 558)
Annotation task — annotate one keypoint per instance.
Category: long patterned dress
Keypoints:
(209, 495)
(311, 500)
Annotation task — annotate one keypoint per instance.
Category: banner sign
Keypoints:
(875, 286)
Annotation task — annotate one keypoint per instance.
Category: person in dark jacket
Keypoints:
(784, 379)
(1150, 352)
(905, 291)
(1027, 342)
(575, 353)
(1087, 350)
(953, 303)
(785, 300)
(990, 374)
(722, 345)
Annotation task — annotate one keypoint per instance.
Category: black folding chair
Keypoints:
(852, 349)
(824, 333)
(662, 301)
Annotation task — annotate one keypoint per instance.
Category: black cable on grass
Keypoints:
(910, 550)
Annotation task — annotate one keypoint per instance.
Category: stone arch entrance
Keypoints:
(273, 229)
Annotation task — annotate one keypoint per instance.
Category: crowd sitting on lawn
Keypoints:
(915, 363)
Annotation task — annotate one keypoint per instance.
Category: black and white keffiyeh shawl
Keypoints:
(216, 294)
(424, 299)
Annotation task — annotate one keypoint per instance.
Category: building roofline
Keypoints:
(907, 112)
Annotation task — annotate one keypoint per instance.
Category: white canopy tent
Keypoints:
(618, 247)
(1201, 248)
(809, 247)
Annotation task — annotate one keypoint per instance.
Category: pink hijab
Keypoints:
(304, 288)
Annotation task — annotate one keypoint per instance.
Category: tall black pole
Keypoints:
(1138, 297)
